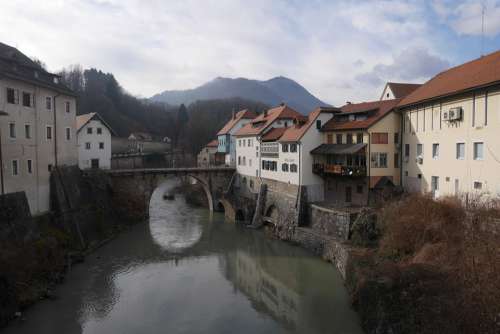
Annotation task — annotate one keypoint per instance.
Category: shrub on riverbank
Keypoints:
(437, 268)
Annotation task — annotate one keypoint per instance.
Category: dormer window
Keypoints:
(56, 80)
(36, 74)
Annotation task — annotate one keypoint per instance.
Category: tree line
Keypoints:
(189, 127)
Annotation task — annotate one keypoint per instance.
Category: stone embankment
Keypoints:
(38, 251)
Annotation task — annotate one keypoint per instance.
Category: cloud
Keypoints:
(334, 48)
(464, 17)
(411, 65)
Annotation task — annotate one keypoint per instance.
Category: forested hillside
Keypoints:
(189, 127)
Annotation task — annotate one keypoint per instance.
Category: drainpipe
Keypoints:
(55, 130)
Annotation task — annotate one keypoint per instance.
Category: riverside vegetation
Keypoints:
(435, 268)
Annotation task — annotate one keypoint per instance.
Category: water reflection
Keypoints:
(207, 277)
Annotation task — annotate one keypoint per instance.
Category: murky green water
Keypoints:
(189, 272)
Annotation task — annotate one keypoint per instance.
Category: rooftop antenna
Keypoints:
(482, 29)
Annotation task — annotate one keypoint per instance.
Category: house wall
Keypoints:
(424, 124)
(206, 157)
(40, 150)
(86, 155)
(250, 165)
(390, 124)
(387, 94)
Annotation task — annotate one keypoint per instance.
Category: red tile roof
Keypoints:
(379, 109)
(242, 114)
(481, 72)
(401, 90)
(274, 134)
(213, 143)
(264, 120)
(295, 132)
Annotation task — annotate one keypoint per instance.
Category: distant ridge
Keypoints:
(271, 92)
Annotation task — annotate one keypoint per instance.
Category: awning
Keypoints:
(338, 148)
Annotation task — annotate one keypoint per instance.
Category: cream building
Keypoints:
(451, 131)
(94, 142)
(358, 157)
(38, 132)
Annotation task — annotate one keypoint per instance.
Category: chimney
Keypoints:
(348, 102)
(265, 113)
(234, 114)
(282, 104)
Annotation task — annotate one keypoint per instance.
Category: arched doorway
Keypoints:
(272, 215)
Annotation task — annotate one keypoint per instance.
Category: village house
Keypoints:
(94, 142)
(397, 90)
(225, 137)
(38, 131)
(359, 153)
(451, 128)
(209, 155)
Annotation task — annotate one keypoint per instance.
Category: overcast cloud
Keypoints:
(342, 50)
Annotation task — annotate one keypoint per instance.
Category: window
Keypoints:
(293, 168)
(284, 167)
(249, 162)
(15, 167)
(87, 145)
(293, 147)
(239, 161)
(460, 151)
(27, 131)
(248, 143)
(434, 184)
(380, 138)
(435, 151)
(329, 138)
(68, 107)
(29, 166)
(420, 150)
(48, 132)
(49, 167)
(359, 189)
(396, 138)
(318, 124)
(89, 131)
(244, 142)
(407, 150)
(99, 131)
(349, 138)
(239, 142)
(359, 138)
(68, 133)
(339, 139)
(284, 147)
(251, 184)
(379, 160)
(396, 160)
(48, 103)
(26, 99)
(101, 146)
(12, 96)
(478, 151)
(478, 185)
(244, 161)
(12, 130)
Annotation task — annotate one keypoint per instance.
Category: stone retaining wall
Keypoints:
(331, 222)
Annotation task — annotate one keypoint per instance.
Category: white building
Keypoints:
(94, 142)
(397, 90)
(38, 132)
(277, 144)
(225, 137)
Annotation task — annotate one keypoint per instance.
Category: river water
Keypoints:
(188, 271)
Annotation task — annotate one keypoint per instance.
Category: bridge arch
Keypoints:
(271, 214)
(207, 191)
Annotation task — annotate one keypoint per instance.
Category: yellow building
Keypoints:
(451, 131)
(357, 134)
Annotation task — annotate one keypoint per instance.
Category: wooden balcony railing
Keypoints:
(341, 170)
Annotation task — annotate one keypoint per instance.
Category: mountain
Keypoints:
(271, 92)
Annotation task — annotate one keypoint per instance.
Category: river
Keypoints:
(188, 271)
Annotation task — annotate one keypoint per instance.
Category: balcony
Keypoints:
(339, 170)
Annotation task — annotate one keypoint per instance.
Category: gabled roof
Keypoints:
(482, 72)
(259, 124)
(295, 132)
(17, 66)
(242, 114)
(378, 110)
(82, 120)
(274, 134)
(213, 143)
(400, 89)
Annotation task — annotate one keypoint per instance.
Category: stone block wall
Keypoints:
(331, 222)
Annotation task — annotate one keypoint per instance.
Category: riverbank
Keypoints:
(425, 266)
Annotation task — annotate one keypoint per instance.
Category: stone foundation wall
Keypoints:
(331, 222)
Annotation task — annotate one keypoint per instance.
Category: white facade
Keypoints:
(37, 134)
(231, 156)
(248, 153)
(94, 145)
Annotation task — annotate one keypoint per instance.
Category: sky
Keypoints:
(339, 50)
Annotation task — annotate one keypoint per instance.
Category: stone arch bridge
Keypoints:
(132, 188)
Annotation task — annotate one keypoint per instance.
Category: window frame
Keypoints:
(457, 151)
(29, 166)
(29, 99)
(435, 151)
(67, 133)
(88, 145)
(475, 151)
(47, 132)
(14, 171)
(12, 130)
(27, 131)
